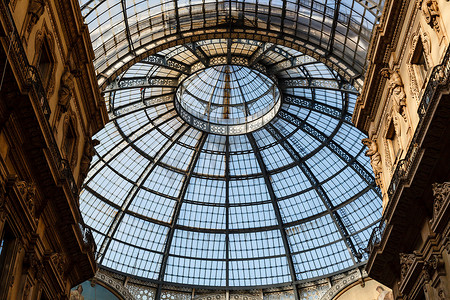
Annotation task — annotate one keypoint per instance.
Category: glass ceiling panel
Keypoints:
(300, 206)
(196, 271)
(268, 271)
(120, 28)
(176, 199)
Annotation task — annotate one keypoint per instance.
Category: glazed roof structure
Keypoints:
(230, 160)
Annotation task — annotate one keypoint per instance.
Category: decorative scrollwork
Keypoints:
(28, 192)
(406, 261)
(441, 192)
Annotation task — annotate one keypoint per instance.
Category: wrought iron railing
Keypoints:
(31, 81)
(375, 237)
(438, 76)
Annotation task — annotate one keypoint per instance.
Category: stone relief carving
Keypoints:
(426, 43)
(35, 10)
(66, 90)
(398, 94)
(406, 261)
(70, 120)
(34, 264)
(77, 294)
(375, 159)
(88, 153)
(432, 15)
(59, 262)
(28, 192)
(440, 193)
(435, 264)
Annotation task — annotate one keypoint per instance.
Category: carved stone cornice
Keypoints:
(441, 210)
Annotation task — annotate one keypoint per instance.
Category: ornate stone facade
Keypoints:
(407, 112)
(45, 249)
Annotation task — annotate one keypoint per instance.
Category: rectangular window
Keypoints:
(419, 63)
(45, 64)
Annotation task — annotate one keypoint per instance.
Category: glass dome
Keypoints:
(227, 99)
(171, 202)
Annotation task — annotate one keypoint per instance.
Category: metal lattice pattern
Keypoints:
(287, 203)
(123, 31)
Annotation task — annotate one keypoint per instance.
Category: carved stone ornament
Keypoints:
(431, 12)
(34, 264)
(59, 262)
(88, 153)
(35, 10)
(28, 192)
(425, 39)
(398, 96)
(66, 90)
(432, 15)
(406, 260)
(70, 121)
(375, 159)
(440, 193)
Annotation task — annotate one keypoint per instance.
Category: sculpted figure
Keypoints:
(66, 90)
(398, 94)
(375, 159)
(89, 152)
(431, 13)
(77, 294)
(383, 294)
